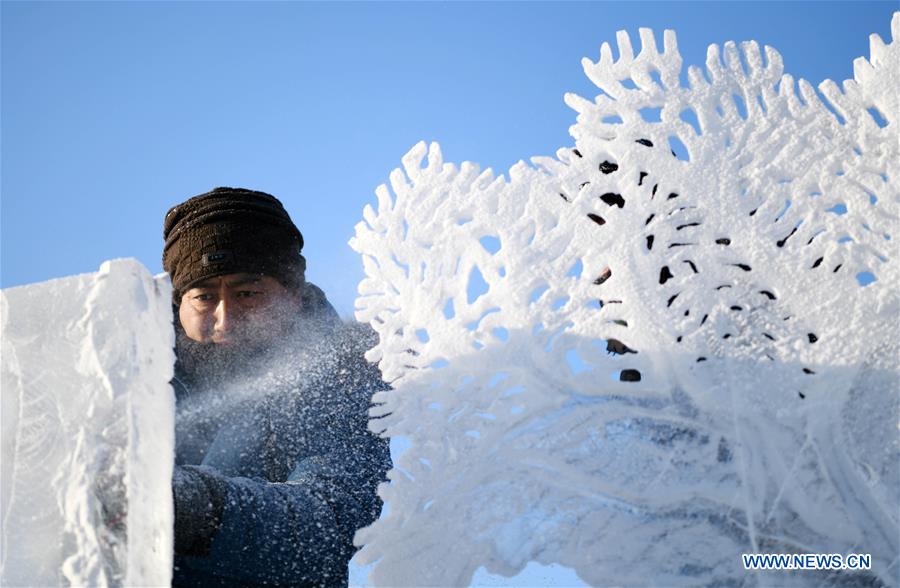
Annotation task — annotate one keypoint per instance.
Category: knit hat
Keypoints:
(231, 230)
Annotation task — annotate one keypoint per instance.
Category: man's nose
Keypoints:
(224, 315)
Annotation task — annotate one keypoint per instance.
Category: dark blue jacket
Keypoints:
(278, 479)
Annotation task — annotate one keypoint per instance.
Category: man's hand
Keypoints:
(199, 494)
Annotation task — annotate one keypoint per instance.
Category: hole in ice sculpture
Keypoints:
(604, 275)
(649, 242)
(607, 167)
(463, 220)
(439, 363)
(405, 229)
(516, 410)
(449, 311)
(537, 293)
(723, 241)
(597, 218)
(490, 243)
(478, 345)
(497, 378)
(500, 333)
(877, 117)
(477, 286)
(679, 149)
(761, 102)
(616, 347)
(422, 335)
(474, 324)
(814, 235)
(629, 376)
(645, 142)
(721, 114)
(612, 199)
(401, 265)
(830, 107)
(575, 270)
(654, 74)
(817, 263)
(595, 304)
(887, 237)
(693, 266)
(552, 340)
(665, 274)
(628, 83)
(532, 231)
(787, 205)
(559, 303)
(838, 209)
(742, 59)
(781, 242)
(845, 239)
(812, 337)
(612, 119)
(435, 406)
(576, 364)
(512, 391)
(865, 278)
(873, 199)
(652, 114)
(689, 116)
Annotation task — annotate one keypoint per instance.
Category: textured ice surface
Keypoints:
(672, 344)
(88, 421)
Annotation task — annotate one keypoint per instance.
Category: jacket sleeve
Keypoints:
(298, 532)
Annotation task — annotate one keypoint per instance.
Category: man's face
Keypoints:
(243, 311)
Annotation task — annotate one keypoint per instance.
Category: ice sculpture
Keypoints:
(672, 344)
(88, 430)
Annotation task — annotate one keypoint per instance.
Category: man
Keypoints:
(275, 467)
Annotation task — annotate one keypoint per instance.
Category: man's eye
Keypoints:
(203, 297)
(249, 293)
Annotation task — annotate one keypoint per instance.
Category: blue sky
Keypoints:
(114, 111)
